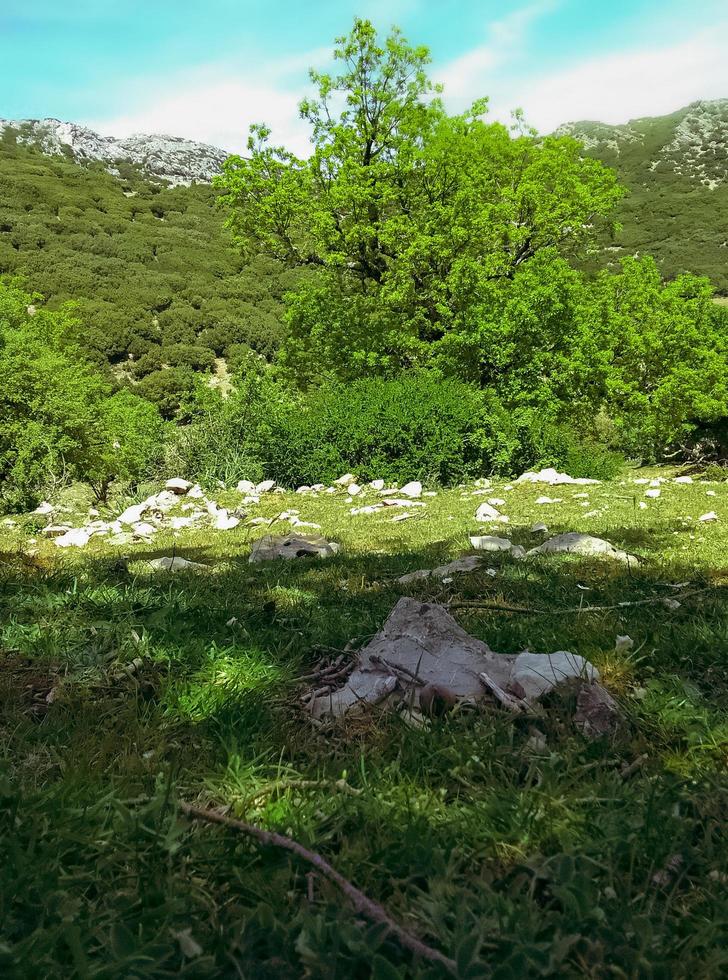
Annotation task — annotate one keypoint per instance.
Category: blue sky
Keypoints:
(208, 69)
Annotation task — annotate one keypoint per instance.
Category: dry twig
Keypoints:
(362, 903)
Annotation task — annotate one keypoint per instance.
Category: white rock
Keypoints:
(77, 537)
(353, 489)
(486, 512)
(642, 505)
(53, 530)
(318, 487)
(469, 563)
(496, 501)
(653, 492)
(44, 508)
(292, 546)
(549, 500)
(623, 643)
(488, 542)
(396, 502)
(296, 523)
(143, 529)
(245, 486)
(535, 674)
(369, 509)
(222, 521)
(671, 604)
(710, 516)
(552, 477)
(412, 489)
(345, 480)
(133, 514)
(177, 564)
(582, 544)
(655, 483)
(377, 484)
(265, 486)
(178, 485)
(683, 479)
(539, 528)
(710, 493)
(303, 489)
(401, 517)
(640, 482)
(195, 492)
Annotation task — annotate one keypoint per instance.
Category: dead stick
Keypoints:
(483, 604)
(361, 902)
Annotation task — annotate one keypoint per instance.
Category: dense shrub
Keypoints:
(416, 426)
(59, 417)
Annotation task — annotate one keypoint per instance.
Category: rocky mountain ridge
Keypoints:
(691, 143)
(169, 158)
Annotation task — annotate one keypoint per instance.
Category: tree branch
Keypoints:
(361, 902)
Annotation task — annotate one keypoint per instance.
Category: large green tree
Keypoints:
(410, 215)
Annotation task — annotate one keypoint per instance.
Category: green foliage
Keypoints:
(58, 416)
(77, 233)
(675, 169)
(411, 214)
(669, 350)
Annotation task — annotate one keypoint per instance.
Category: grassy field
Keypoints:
(515, 847)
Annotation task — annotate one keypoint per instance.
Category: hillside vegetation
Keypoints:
(676, 170)
(152, 275)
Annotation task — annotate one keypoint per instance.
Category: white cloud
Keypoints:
(625, 85)
(470, 76)
(218, 105)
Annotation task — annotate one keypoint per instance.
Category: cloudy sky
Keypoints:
(206, 69)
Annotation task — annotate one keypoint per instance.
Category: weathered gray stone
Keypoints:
(291, 546)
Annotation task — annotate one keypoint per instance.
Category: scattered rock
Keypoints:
(412, 489)
(421, 657)
(552, 477)
(469, 563)
(369, 509)
(245, 486)
(133, 514)
(77, 537)
(539, 528)
(177, 564)
(44, 508)
(178, 486)
(265, 487)
(652, 492)
(535, 674)
(486, 512)
(377, 484)
(710, 516)
(488, 542)
(623, 643)
(271, 548)
(354, 489)
(582, 544)
(54, 530)
(345, 480)
(683, 479)
(550, 500)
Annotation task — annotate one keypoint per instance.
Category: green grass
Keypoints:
(514, 858)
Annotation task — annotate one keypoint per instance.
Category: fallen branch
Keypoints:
(362, 903)
(500, 607)
(506, 699)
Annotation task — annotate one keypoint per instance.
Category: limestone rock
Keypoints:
(265, 486)
(552, 477)
(489, 542)
(412, 489)
(245, 486)
(178, 485)
(178, 564)
(582, 544)
(486, 512)
(535, 674)
(77, 537)
(469, 563)
(291, 546)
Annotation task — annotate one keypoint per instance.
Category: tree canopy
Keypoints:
(411, 215)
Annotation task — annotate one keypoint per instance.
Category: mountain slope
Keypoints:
(169, 158)
(155, 279)
(676, 169)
